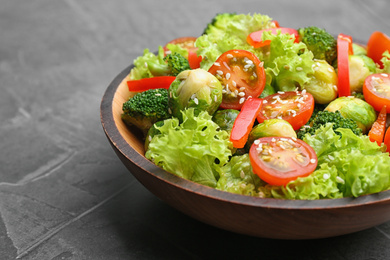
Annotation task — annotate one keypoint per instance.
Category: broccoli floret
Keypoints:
(146, 108)
(172, 66)
(321, 43)
(217, 21)
(324, 117)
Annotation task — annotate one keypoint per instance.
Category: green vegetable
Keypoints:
(362, 167)
(320, 42)
(386, 63)
(227, 32)
(268, 90)
(324, 117)
(358, 49)
(237, 177)
(356, 109)
(195, 149)
(225, 118)
(270, 127)
(150, 65)
(360, 66)
(323, 83)
(146, 108)
(288, 65)
(196, 89)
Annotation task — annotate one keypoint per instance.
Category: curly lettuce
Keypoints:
(195, 149)
(229, 32)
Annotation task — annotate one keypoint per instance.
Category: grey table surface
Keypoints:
(63, 192)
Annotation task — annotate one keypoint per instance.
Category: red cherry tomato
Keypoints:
(377, 45)
(279, 160)
(376, 91)
(294, 106)
(256, 38)
(242, 76)
(187, 43)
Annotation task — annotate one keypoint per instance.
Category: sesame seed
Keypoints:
(229, 56)
(254, 75)
(340, 180)
(385, 75)
(215, 98)
(249, 62)
(242, 100)
(242, 174)
(280, 92)
(196, 101)
(247, 66)
(150, 138)
(299, 69)
(265, 101)
(313, 160)
(256, 142)
(234, 83)
(158, 94)
(326, 176)
(330, 157)
(241, 94)
(273, 140)
(330, 70)
(220, 72)
(217, 64)
(227, 75)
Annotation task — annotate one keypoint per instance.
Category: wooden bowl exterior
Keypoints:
(268, 218)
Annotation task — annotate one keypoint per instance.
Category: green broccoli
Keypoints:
(172, 66)
(324, 117)
(151, 65)
(146, 108)
(217, 21)
(321, 43)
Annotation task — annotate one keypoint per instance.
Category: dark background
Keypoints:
(63, 192)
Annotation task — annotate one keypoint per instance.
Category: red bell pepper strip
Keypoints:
(386, 140)
(150, 83)
(244, 122)
(194, 60)
(344, 49)
(378, 129)
(256, 38)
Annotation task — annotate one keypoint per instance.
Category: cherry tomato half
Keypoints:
(296, 107)
(279, 160)
(377, 45)
(256, 38)
(376, 91)
(187, 43)
(242, 76)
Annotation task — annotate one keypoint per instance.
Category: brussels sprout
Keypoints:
(358, 49)
(360, 66)
(323, 83)
(270, 127)
(196, 89)
(225, 118)
(356, 109)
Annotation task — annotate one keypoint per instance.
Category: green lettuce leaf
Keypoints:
(230, 33)
(237, 177)
(195, 149)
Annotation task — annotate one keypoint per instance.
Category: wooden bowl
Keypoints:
(268, 218)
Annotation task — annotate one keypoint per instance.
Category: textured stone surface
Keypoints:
(63, 192)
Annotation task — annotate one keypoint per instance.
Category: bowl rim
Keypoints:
(116, 139)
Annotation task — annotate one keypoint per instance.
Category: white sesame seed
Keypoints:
(217, 64)
(340, 180)
(294, 138)
(248, 62)
(234, 83)
(330, 70)
(254, 75)
(242, 174)
(313, 160)
(385, 75)
(326, 176)
(150, 138)
(256, 142)
(196, 101)
(241, 94)
(330, 157)
(247, 66)
(265, 101)
(215, 98)
(220, 72)
(280, 92)
(299, 69)
(273, 140)
(229, 56)
(227, 76)
(242, 100)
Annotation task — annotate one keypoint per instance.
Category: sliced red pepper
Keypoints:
(194, 60)
(378, 129)
(344, 49)
(386, 140)
(256, 38)
(244, 122)
(150, 83)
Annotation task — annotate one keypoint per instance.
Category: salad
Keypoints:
(258, 109)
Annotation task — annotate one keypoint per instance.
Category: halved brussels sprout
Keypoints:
(196, 89)
(225, 118)
(270, 127)
(360, 66)
(356, 109)
(323, 83)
